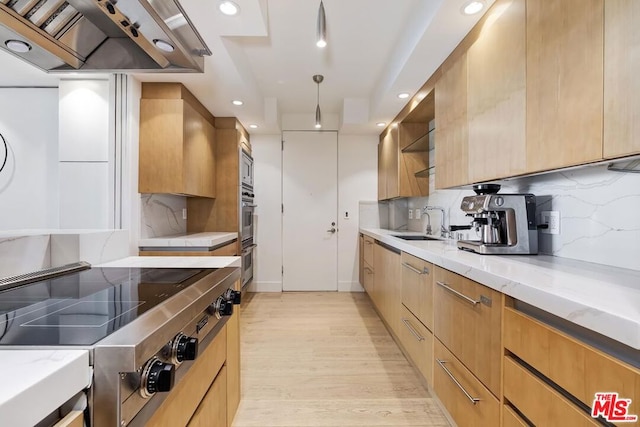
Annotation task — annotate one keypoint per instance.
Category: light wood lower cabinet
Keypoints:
(72, 419)
(386, 285)
(417, 341)
(467, 319)
(538, 401)
(469, 402)
(417, 288)
(576, 367)
(184, 399)
(511, 419)
(212, 411)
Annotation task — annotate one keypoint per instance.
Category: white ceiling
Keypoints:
(266, 56)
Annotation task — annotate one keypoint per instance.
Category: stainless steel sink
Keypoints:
(415, 237)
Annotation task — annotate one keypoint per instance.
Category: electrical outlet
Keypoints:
(552, 219)
(410, 213)
(184, 213)
(418, 211)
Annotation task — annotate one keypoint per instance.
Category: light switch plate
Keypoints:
(418, 211)
(184, 213)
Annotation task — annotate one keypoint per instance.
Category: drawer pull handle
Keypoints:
(368, 242)
(413, 331)
(425, 270)
(472, 399)
(368, 270)
(461, 295)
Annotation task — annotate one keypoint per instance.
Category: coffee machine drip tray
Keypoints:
(484, 248)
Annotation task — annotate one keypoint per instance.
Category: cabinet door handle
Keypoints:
(413, 331)
(367, 242)
(461, 295)
(425, 270)
(472, 399)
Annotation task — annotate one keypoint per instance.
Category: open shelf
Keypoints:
(424, 173)
(421, 144)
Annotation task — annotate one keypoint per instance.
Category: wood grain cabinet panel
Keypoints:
(72, 419)
(417, 341)
(417, 288)
(538, 401)
(177, 143)
(564, 83)
(453, 386)
(386, 285)
(578, 368)
(621, 83)
(511, 419)
(452, 136)
(232, 391)
(496, 95)
(467, 320)
(212, 411)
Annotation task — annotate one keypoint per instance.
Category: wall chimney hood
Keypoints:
(102, 35)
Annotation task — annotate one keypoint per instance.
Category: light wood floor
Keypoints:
(325, 359)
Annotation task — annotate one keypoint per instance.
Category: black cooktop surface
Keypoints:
(84, 307)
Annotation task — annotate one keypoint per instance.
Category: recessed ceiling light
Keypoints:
(229, 8)
(163, 45)
(253, 126)
(403, 95)
(17, 46)
(472, 7)
(237, 102)
(381, 124)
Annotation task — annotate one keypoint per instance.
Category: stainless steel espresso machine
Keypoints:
(505, 222)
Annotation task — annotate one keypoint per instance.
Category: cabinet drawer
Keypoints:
(212, 411)
(418, 342)
(467, 319)
(539, 402)
(417, 288)
(368, 250)
(368, 278)
(511, 419)
(73, 419)
(469, 402)
(576, 367)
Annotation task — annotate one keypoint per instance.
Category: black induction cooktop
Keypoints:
(84, 307)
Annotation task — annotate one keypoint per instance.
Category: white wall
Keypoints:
(83, 150)
(357, 180)
(267, 155)
(29, 181)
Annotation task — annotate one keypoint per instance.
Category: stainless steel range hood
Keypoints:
(102, 35)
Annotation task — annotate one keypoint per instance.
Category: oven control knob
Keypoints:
(157, 377)
(184, 348)
(221, 307)
(233, 296)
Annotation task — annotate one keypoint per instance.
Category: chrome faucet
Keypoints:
(444, 232)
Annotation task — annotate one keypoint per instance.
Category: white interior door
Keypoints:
(310, 211)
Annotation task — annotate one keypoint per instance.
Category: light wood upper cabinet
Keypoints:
(451, 126)
(621, 83)
(177, 143)
(496, 95)
(564, 83)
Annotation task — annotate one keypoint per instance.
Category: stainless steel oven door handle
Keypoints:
(249, 248)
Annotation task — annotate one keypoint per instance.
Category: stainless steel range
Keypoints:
(143, 327)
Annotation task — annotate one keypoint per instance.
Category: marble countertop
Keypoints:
(202, 240)
(175, 262)
(600, 298)
(37, 382)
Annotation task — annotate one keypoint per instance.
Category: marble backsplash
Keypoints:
(162, 215)
(599, 213)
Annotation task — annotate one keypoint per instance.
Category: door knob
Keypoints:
(332, 230)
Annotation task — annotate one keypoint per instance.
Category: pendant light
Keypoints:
(318, 78)
(321, 37)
